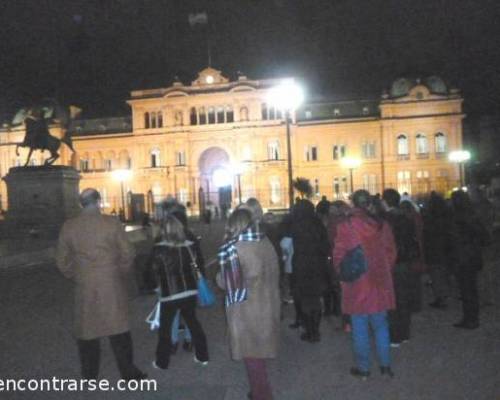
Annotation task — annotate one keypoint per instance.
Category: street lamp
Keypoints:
(287, 96)
(460, 157)
(122, 175)
(351, 164)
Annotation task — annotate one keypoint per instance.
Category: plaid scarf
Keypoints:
(236, 292)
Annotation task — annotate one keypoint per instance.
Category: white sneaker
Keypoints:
(203, 363)
(395, 345)
(155, 366)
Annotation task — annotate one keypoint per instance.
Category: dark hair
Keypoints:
(461, 203)
(391, 197)
(303, 209)
(437, 206)
(89, 196)
(361, 199)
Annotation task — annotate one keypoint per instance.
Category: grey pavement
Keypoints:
(440, 362)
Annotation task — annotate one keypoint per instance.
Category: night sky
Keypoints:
(93, 52)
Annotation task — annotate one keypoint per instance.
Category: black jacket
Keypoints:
(405, 235)
(173, 267)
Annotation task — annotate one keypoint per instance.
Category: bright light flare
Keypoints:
(350, 163)
(222, 177)
(121, 175)
(286, 96)
(459, 156)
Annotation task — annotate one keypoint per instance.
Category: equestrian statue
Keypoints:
(38, 137)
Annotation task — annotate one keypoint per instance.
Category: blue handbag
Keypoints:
(353, 265)
(206, 296)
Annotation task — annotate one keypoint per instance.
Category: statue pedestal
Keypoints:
(40, 199)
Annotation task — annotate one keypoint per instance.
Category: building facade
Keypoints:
(218, 140)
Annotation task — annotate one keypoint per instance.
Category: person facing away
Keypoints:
(367, 299)
(436, 220)
(404, 232)
(173, 259)
(250, 276)
(467, 235)
(93, 251)
(311, 249)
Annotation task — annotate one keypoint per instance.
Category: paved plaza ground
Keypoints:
(440, 362)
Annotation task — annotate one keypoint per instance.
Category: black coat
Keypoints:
(467, 236)
(311, 249)
(405, 235)
(436, 239)
(174, 269)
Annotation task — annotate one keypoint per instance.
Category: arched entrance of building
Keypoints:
(216, 180)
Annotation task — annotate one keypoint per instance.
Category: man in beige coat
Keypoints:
(93, 251)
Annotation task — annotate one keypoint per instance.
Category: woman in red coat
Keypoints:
(368, 298)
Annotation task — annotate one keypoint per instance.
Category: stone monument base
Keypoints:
(40, 199)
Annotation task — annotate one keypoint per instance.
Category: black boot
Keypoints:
(308, 326)
(316, 320)
(299, 315)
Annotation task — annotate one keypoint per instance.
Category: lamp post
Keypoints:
(287, 96)
(351, 164)
(122, 175)
(460, 157)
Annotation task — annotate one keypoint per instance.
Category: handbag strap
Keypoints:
(194, 264)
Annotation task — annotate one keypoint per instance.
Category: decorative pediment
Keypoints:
(209, 76)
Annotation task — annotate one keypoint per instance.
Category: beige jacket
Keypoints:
(94, 252)
(254, 324)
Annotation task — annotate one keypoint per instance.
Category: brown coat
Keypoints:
(254, 323)
(94, 252)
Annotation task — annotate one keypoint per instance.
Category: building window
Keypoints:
(220, 115)
(404, 181)
(275, 191)
(368, 150)
(153, 120)
(263, 110)
(146, 120)
(202, 117)
(180, 158)
(440, 142)
(339, 151)
(128, 163)
(159, 115)
(193, 116)
(316, 187)
(366, 110)
(211, 115)
(370, 183)
(422, 145)
(155, 158)
(108, 164)
(273, 151)
(336, 112)
(17, 162)
(244, 113)
(183, 196)
(308, 114)
(229, 114)
(32, 162)
(311, 153)
(403, 148)
(84, 165)
(336, 187)
(104, 198)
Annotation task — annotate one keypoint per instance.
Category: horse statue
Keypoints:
(38, 137)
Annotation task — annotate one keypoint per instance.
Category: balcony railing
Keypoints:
(402, 157)
(441, 154)
(422, 156)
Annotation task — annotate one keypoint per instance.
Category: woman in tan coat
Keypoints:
(250, 272)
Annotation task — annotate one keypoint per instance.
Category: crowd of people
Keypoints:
(301, 259)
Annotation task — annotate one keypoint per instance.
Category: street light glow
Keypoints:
(350, 162)
(122, 175)
(222, 177)
(286, 96)
(459, 156)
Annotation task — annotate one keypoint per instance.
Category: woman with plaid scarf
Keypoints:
(250, 272)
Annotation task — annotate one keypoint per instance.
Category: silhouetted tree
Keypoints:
(303, 186)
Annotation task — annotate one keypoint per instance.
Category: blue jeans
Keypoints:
(175, 329)
(361, 339)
